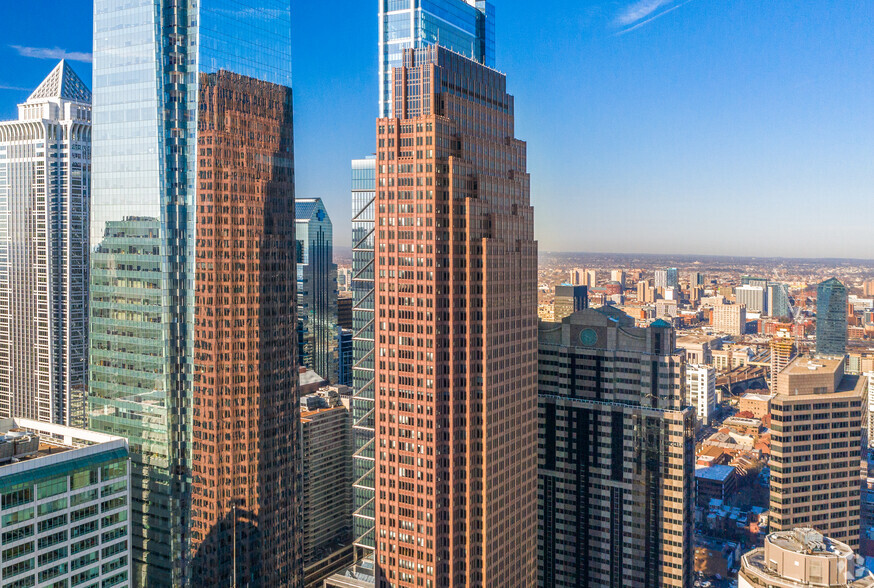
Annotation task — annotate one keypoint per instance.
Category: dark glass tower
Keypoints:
(831, 318)
(193, 284)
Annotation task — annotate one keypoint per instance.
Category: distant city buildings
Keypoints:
(45, 189)
(568, 300)
(66, 497)
(831, 318)
(615, 503)
(316, 288)
(802, 557)
(618, 276)
(816, 477)
(778, 301)
(730, 319)
(696, 279)
(667, 278)
(753, 297)
(701, 390)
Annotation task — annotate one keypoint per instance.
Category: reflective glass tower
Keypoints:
(463, 26)
(192, 284)
(316, 289)
(45, 173)
(831, 318)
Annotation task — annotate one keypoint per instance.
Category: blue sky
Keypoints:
(654, 126)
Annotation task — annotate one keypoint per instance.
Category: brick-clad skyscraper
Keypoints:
(456, 332)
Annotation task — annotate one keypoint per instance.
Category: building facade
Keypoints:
(568, 300)
(326, 441)
(753, 297)
(778, 301)
(831, 318)
(363, 400)
(819, 420)
(45, 187)
(193, 285)
(456, 312)
(466, 27)
(65, 494)
(701, 390)
(730, 318)
(667, 278)
(616, 454)
(316, 289)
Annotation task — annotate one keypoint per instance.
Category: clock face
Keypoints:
(588, 337)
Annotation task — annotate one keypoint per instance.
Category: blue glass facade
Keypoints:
(149, 57)
(464, 26)
(831, 318)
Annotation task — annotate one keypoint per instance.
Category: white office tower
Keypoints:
(45, 169)
(701, 390)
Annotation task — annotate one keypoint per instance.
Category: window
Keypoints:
(17, 517)
(17, 497)
(51, 487)
(83, 478)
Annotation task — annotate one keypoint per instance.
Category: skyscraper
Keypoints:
(753, 297)
(456, 313)
(316, 289)
(831, 318)
(45, 186)
(193, 285)
(667, 278)
(616, 454)
(778, 300)
(569, 299)
(818, 419)
(466, 27)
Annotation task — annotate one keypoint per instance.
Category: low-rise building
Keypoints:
(802, 558)
(65, 496)
(757, 404)
(717, 481)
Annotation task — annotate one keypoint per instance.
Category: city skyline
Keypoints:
(676, 112)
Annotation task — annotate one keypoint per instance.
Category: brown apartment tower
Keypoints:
(456, 338)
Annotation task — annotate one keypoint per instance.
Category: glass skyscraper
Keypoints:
(463, 26)
(316, 289)
(45, 173)
(192, 284)
(831, 318)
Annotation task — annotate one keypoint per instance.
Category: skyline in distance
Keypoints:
(747, 124)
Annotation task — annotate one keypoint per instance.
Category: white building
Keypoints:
(65, 497)
(701, 388)
(803, 558)
(753, 297)
(730, 318)
(45, 170)
(870, 377)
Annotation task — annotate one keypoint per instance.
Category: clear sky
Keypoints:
(653, 126)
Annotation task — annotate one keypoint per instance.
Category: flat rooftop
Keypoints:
(760, 397)
(716, 473)
(813, 365)
(809, 542)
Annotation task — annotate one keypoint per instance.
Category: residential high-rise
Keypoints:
(754, 281)
(831, 318)
(456, 312)
(616, 454)
(819, 419)
(344, 310)
(316, 288)
(193, 290)
(778, 301)
(667, 278)
(326, 463)
(591, 278)
(618, 276)
(466, 27)
(45, 186)
(345, 356)
(868, 288)
(870, 377)
(753, 297)
(66, 506)
(730, 318)
(569, 299)
(577, 277)
(701, 390)
(803, 557)
(696, 279)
